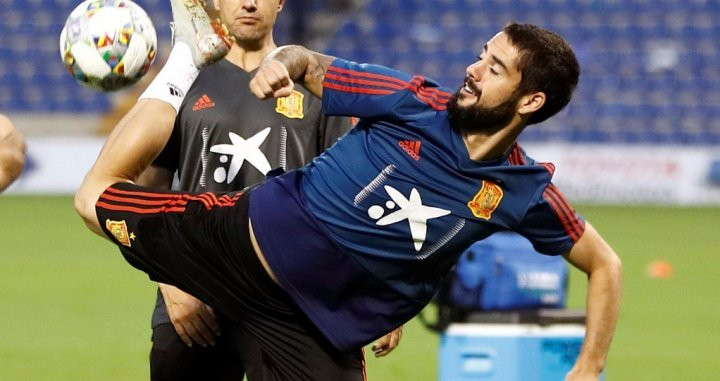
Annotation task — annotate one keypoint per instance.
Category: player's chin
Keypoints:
(466, 100)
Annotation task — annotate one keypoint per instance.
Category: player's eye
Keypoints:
(493, 71)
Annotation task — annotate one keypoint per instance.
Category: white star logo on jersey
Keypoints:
(241, 150)
(411, 209)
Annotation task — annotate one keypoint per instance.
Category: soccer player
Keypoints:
(12, 152)
(315, 263)
(226, 139)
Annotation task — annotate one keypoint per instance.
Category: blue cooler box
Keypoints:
(509, 352)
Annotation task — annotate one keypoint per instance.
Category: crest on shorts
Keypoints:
(119, 230)
(486, 200)
(291, 106)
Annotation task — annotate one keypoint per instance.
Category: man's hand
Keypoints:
(193, 320)
(387, 343)
(272, 80)
(12, 152)
(281, 67)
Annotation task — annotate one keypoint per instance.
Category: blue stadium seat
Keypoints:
(618, 44)
(650, 66)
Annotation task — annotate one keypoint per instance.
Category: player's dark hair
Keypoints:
(547, 64)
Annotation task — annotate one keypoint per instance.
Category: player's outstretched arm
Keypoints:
(130, 148)
(288, 64)
(598, 260)
(12, 153)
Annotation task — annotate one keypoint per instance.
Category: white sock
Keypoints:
(174, 79)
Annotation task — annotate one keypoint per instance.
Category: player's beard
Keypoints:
(476, 118)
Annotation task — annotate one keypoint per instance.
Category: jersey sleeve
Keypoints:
(373, 91)
(551, 224)
(169, 157)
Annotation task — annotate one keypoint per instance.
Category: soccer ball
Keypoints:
(108, 44)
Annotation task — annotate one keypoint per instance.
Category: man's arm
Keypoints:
(287, 64)
(130, 148)
(155, 177)
(597, 259)
(12, 153)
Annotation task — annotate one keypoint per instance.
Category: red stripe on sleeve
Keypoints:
(515, 157)
(561, 216)
(428, 100)
(577, 223)
(353, 81)
(433, 97)
(418, 80)
(139, 201)
(427, 95)
(350, 89)
(132, 209)
(550, 167)
(564, 211)
(208, 199)
(367, 75)
(139, 193)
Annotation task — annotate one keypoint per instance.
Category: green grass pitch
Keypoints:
(72, 309)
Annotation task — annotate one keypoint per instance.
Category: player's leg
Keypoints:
(143, 132)
(201, 244)
(172, 360)
(279, 343)
(297, 355)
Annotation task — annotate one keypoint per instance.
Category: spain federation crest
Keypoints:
(119, 230)
(291, 106)
(486, 200)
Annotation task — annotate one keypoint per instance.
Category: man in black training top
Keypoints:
(225, 139)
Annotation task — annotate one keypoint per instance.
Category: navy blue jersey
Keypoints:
(401, 198)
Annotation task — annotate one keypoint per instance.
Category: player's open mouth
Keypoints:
(470, 89)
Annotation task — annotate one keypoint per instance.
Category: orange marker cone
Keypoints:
(660, 269)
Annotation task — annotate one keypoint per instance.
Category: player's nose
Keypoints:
(249, 4)
(474, 71)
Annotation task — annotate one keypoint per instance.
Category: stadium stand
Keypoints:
(32, 77)
(650, 72)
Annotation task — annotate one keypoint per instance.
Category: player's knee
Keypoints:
(85, 206)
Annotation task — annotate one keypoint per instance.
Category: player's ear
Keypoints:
(281, 4)
(531, 102)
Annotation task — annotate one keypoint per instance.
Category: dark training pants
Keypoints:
(201, 244)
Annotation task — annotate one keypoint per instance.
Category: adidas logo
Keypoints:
(411, 147)
(175, 91)
(203, 102)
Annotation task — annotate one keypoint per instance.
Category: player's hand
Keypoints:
(387, 343)
(271, 80)
(193, 320)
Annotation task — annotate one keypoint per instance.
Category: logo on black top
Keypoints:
(203, 102)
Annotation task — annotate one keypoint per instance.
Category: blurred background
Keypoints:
(637, 152)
